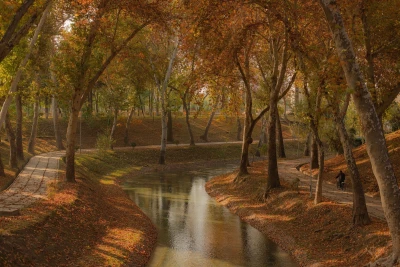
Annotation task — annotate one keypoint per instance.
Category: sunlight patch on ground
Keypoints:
(114, 248)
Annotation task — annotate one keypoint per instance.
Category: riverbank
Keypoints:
(315, 235)
(87, 223)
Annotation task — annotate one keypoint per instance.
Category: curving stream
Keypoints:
(194, 230)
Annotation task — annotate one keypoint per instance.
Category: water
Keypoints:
(194, 230)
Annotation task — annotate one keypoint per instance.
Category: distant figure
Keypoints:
(340, 180)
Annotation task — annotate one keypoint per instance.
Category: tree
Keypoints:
(371, 126)
(19, 26)
(163, 97)
(88, 32)
(24, 62)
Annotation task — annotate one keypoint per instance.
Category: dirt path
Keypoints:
(288, 171)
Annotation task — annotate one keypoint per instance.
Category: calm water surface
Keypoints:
(194, 230)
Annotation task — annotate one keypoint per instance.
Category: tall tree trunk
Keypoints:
(360, 212)
(151, 101)
(18, 128)
(56, 124)
(205, 135)
(114, 127)
(187, 119)
(71, 141)
(314, 153)
(247, 140)
(164, 126)
(263, 136)
(2, 173)
(371, 127)
(239, 129)
(11, 139)
(157, 103)
(321, 154)
(32, 138)
(307, 145)
(281, 146)
(170, 134)
(90, 103)
(127, 124)
(296, 97)
(96, 106)
(273, 175)
(285, 109)
(46, 107)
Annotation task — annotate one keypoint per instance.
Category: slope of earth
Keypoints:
(315, 235)
(87, 223)
(147, 130)
(335, 164)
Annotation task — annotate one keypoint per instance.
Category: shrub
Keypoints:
(103, 144)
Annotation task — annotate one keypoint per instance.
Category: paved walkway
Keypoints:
(288, 171)
(30, 185)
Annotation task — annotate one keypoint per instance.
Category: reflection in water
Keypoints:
(193, 230)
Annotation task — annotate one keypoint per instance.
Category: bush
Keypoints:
(103, 144)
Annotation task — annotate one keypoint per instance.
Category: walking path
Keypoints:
(288, 171)
(31, 183)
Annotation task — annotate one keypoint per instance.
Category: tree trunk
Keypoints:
(114, 127)
(90, 103)
(281, 146)
(127, 124)
(2, 173)
(371, 127)
(263, 136)
(360, 212)
(56, 124)
(18, 128)
(307, 146)
(11, 139)
(314, 154)
(187, 119)
(205, 135)
(273, 175)
(164, 126)
(32, 138)
(71, 140)
(170, 134)
(96, 106)
(296, 97)
(157, 103)
(239, 129)
(164, 130)
(321, 154)
(46, 107)
(247, 140)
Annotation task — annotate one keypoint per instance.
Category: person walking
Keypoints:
(340, 180)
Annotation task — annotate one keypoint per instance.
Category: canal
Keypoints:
(193, 229)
